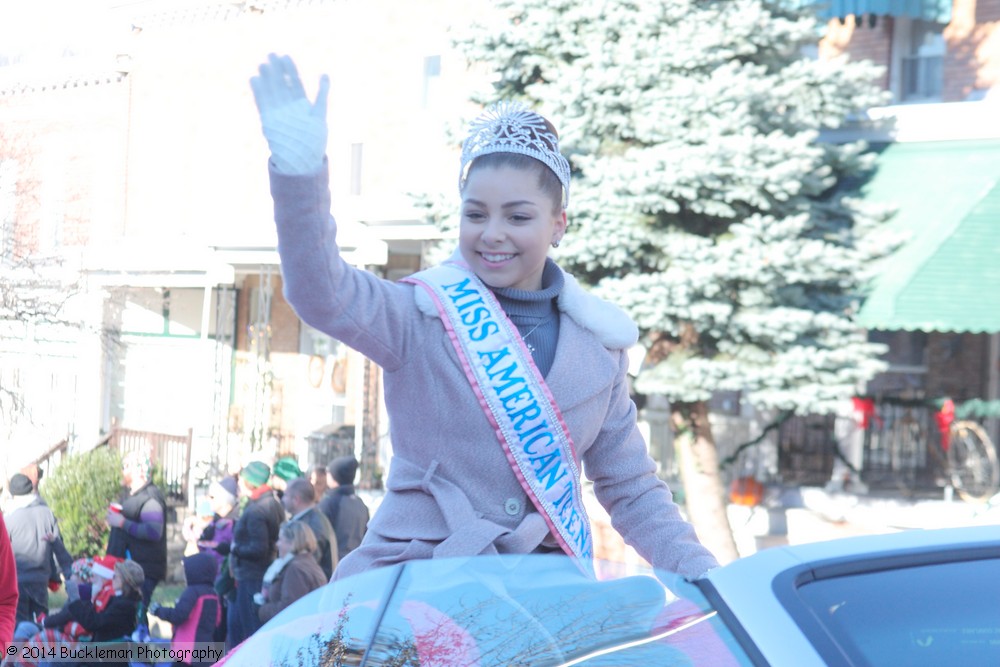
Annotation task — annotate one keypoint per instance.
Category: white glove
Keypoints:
(294, 127)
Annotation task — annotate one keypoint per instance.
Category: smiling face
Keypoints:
(508, 223)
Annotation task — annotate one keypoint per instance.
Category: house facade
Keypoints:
(133, 169)
(936, 303)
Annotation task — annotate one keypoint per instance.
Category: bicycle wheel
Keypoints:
(972, 462)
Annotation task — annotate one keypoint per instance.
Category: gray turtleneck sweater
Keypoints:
(534, 314)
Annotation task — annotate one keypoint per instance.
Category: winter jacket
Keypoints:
(115, 621)
(255, 535)
(27, 527)
(144, 535)
(450, 490)
(198, 611)
(348, 515)
(301, 575)
(8, 587)
(219, 532)
(326, 542)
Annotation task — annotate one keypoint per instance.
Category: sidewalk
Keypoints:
(813, 514)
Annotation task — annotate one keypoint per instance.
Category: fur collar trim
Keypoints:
(606, 321)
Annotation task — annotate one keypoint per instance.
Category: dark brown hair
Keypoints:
(547, 180)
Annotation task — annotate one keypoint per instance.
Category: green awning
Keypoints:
(946, 277)
(938, 11)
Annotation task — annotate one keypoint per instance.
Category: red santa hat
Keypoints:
(104, 566)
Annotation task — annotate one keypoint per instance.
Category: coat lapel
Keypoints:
(582, 367)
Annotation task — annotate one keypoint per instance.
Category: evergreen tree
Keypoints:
(703, 201)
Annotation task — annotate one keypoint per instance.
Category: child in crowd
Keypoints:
(197, 614)
(104, 597)
(194, 525)
(96, 574)
(223, 495)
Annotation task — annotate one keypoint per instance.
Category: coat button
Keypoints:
(512, 506)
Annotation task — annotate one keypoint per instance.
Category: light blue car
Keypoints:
(920, 597)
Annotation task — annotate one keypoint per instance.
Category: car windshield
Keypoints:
(924, 615)
(497, 610)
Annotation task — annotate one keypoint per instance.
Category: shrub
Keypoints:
(79, 491)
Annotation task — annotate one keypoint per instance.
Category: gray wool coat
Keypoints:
(450, 489)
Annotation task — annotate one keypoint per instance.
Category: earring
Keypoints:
(555, 244)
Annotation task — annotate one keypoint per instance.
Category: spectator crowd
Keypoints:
(259, 540)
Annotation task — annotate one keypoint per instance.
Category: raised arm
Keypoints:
(354, 306)
(294, 127)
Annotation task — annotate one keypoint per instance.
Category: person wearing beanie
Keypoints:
(343, 469)
(20, 485)
(255, 474)
(63, 561)
(252, 550)
(197, 614)
(218, 534)
(216, 539)
(345, 511)
(140, 529)
(32, 472)
(285, 470)
(33, 532)
(8, 588)
(228, 485)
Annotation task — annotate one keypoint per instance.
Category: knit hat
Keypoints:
(287, 468)
(343, 469)
(20, 485)
(131, 574)
(32, 472)
(224, 490)
(256, 473)
(104, 566)
(229, 484)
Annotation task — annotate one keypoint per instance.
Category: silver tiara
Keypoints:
(510, 127)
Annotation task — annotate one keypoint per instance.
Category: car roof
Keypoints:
(752, 588)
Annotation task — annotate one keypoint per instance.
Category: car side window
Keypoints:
(924, 615)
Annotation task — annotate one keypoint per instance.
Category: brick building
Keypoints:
(936, 303)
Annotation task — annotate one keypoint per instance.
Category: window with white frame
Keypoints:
(917, 60)
(432, 81)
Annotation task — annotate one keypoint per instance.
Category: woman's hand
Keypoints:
(294, 127)
(115, 520)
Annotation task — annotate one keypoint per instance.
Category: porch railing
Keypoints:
(169, 453)
(52, 456)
